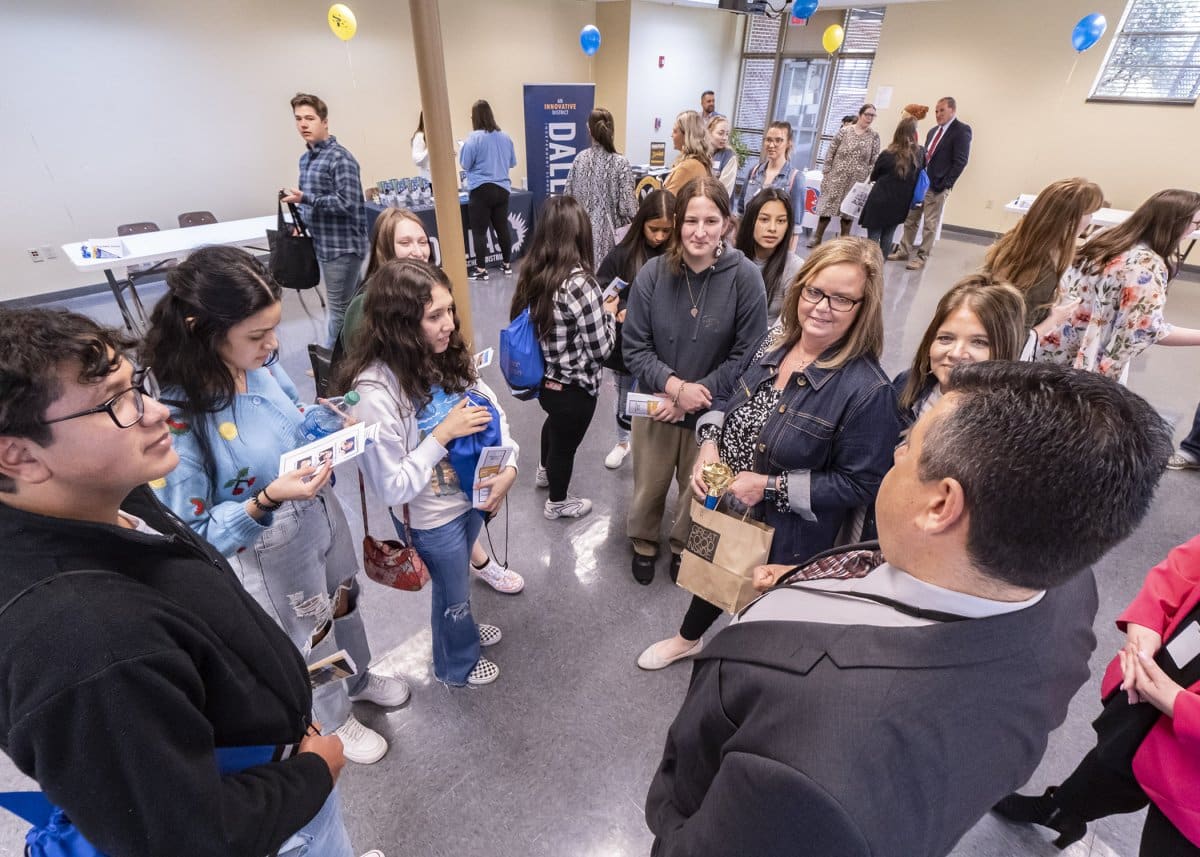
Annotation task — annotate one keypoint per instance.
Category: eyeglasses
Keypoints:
(127, 407)
(837, 303)
(869, 115)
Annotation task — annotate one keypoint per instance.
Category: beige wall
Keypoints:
(612, 64)
(1008, 66)
(807, 39)
(142, 110)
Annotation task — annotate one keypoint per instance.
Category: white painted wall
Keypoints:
(702, 48)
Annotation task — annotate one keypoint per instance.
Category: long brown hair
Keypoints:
(865, 336)
(391, 334)
(602, 129)
(999, 308)
(561, 244)
(383, 237)
(1046, 234)
(706, 187)
(658, 205)
(1160, 223)
(904, 147)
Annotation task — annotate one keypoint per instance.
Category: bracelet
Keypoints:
(269, 506)
(678, 392)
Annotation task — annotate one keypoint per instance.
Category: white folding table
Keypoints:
(151, 247)
(1102, 219)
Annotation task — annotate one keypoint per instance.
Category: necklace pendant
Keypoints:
(695, 312)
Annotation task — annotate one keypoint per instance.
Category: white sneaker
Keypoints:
(489, 635)
(484, 672)
(360, 744)
(616, 456)
(572, 507)
(374, 853)
(541, 480)
(383, 690)
(499, 578)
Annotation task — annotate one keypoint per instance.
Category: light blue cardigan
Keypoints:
(247, 439)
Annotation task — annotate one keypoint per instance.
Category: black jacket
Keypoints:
(949, 159)
(609, 270)
(890, 199)
(804, 739)
(117, 688)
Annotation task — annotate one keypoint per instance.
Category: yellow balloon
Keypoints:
(342, 22)
(832, 39)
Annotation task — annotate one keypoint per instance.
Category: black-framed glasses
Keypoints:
(127, 407)
(837, 303)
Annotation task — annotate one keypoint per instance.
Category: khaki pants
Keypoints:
(932, 209)
(661, 452)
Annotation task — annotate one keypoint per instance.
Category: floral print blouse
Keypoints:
(1119, 317)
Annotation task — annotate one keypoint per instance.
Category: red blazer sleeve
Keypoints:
(1169, 586)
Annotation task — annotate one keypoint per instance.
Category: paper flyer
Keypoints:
(613, 288)
(642, 405)
(484, 358)
(333, 668)
(335, 448)
(492, 460)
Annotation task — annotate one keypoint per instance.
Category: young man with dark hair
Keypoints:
(133, 660)
(330, 197)
(886, 695)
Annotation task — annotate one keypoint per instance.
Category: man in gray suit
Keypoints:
(872, 706)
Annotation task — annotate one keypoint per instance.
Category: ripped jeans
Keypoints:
(295, 571)
(447, 553)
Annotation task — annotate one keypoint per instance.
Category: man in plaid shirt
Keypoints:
(331, 201)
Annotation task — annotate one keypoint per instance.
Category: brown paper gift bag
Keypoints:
(721, 553)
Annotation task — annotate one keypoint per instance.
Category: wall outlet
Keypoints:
(988, 204)
(35, 255)
(48, 251)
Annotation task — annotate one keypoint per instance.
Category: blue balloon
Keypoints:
(805, 8)
(589, 39)
(1088, 31)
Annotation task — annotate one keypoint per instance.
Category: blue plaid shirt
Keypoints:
(333, 200)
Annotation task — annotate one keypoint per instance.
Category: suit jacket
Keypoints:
(814, 740)
(1167, 764)
(950, 158)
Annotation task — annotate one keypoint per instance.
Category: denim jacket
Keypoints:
(833, 433)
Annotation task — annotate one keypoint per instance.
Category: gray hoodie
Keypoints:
(661, 338)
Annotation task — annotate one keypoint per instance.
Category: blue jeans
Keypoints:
(447, 554)
(625, 385)
(295, 571)
(883, 236)
(324, 836)
(341, 276)
(1191, 443)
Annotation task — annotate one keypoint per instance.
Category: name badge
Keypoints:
(1186, 645)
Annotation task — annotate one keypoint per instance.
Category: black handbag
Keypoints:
(293, 257)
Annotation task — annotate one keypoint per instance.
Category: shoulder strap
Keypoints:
(50, 579)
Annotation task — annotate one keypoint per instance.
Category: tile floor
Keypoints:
(555, 757)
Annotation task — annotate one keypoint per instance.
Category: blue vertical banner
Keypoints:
(556, 117)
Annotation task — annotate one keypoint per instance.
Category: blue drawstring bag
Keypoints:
(463, 452)
(521, 357)
(920, 189)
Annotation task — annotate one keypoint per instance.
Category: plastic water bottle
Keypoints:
(322, 420)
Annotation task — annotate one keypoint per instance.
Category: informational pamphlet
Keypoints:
(492, 459)
(484, 358)
(334, 448)
(642, 405)
(333, 668)
(613, 288)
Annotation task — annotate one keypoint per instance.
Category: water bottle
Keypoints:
(322, 420)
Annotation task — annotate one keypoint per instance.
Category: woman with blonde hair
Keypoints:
(691, 141)
(978, 319)
(808, 425)
(1035, 253)
(724, 158)
(1120, 278)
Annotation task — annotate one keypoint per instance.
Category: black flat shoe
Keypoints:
(1042, 810)
(675, 560)
(643, 569)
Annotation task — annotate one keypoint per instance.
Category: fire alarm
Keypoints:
(662, 61)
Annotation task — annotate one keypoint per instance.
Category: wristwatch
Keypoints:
(771, 492)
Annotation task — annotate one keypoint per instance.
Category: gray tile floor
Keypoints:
(555, 757)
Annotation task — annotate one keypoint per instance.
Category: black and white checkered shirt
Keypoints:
(583, 334)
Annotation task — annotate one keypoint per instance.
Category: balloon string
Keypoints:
(354, 84)
(1062, 95)
(53, 180)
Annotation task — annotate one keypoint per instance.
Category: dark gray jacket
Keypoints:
(818, 740)
(661, 338)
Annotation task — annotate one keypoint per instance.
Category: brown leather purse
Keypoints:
(389, 561)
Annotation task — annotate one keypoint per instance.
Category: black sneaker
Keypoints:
(675, 560)
(506, 267)
(643, 569)
(479, 274)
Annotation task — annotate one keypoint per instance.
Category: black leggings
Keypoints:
(488, 206)
(568, 414)
(1094, 790)
(698, 619)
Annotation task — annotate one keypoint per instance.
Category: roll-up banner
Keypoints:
(555, 132)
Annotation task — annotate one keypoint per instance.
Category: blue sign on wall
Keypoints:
(555, 132)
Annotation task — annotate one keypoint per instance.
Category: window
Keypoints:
(1155, 55)
(852, 72)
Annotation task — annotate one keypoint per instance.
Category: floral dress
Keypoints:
(1119, 317)
(849, 161)
(603, 183)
